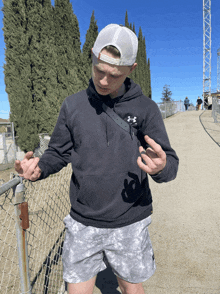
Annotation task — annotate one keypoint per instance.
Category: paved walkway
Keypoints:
(185, 229)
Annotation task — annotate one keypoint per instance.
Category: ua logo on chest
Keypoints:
(132, 120)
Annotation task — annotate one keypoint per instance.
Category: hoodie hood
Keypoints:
(132, 91)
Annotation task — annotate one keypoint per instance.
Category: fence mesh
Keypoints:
(216, 109)
(48, 204)
(9, 281)
(7, 148)
(170, 108)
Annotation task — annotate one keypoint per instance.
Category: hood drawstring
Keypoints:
(131, 129)
(107, 134)
(131, 133)
(107, 131)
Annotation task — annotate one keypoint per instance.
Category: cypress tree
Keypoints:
(149, 85)
(144, 72)
(133, 29)
(91, 36)
(133, 74)
(70, 78)
(139, 72)
(42, 55)
(43, 64)
(141, 75)
(49, 93)
(17, 72)
(126, 19)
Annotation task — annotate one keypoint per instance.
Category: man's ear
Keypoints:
(133, 67)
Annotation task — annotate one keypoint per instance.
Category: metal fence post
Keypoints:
(13, 138)
(5, 148)
(214, 110)
(22, 223)
(165, 109)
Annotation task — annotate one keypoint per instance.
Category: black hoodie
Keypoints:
(107, 188)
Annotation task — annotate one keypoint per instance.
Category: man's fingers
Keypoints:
(148, 152)
(154, 158)
(149, 160)
(28, 155)
(151, 153)
(143, 166)
(36, 174)
(17, 165)
(31, 168)
(28, 167)
(156, 147)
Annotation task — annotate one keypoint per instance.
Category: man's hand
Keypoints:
(28, 167)
(154, 157)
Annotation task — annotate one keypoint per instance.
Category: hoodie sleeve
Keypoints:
(154, 127)
(60, 147)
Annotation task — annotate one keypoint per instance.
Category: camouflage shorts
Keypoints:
(88, 250)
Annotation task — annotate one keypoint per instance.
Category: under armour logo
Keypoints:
(133, 120)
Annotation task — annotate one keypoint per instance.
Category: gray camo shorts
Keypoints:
(88, 250)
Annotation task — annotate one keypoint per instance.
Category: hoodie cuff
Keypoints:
(161, 176)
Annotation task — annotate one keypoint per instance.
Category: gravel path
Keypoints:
(185, 229)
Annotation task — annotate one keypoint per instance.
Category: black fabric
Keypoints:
(119, 121)
(107, 187)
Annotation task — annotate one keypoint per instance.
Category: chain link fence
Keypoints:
(216, 109)
(48, 204)
(7, 143)
(7, 148)
(170, 108)
(8, 245)
(9, 151)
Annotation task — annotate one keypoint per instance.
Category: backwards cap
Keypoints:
(123, 39)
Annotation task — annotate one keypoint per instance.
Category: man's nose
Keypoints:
(104, 81)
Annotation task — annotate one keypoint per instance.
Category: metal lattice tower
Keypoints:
(218, 70)
(206, 50)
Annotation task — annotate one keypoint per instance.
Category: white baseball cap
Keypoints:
(123, 39)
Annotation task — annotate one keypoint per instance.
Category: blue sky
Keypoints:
(174, 41)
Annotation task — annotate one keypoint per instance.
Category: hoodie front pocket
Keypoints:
(111, 193)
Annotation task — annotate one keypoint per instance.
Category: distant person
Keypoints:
(111, 202)
(199, 103)
(186, 103)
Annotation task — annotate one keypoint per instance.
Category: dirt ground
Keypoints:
(5, 173)
(185, 229)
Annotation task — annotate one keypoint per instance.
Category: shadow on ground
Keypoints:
(107, 282)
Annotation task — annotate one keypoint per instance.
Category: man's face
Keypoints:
(108, 78)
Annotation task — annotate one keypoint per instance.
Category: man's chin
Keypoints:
(102, 91)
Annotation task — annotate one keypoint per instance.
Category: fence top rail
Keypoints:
(172, 101)
(10, 184)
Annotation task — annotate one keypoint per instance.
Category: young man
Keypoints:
(199, 103)
(110, 197)
(186, 103)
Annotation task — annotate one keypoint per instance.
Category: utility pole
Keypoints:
(218, 70)
(206, 52)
